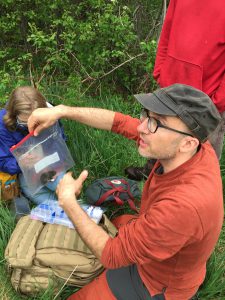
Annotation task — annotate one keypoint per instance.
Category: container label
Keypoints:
(46, 161)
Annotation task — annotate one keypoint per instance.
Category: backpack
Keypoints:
(114, 188)
(39, 254)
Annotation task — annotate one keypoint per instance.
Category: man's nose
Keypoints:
(143, 127)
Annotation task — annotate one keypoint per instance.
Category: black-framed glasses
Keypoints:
(154, 124)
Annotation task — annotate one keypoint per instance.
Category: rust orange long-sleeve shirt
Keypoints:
(179, 224)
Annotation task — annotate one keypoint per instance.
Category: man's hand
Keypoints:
(69, 188)
(92, 234)
(42, 118)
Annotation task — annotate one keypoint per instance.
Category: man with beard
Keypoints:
(162, 252)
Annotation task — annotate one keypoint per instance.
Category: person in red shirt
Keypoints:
(161, 253)
(191, 51)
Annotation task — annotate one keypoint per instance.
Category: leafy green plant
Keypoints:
(94, 43)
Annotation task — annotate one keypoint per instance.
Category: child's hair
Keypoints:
(23, 100)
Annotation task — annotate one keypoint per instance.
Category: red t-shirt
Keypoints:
(191, 49)
(179, 224)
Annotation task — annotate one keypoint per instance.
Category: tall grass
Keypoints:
(103, 154)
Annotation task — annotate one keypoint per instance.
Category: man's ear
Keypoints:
(189, 144)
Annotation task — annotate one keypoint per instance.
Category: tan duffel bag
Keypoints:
(39, 254)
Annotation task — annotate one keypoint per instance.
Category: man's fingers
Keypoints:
(70, 174)
(77, 183)
(31, 124)
(83, 176)
(38, 129)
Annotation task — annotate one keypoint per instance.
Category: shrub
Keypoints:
(94, 43)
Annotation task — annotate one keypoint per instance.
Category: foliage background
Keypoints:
(86, 53)
(79, 43)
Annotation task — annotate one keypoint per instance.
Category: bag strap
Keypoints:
(108, 226)
(115, 191)
(117, 198)
(132, 205)
(107, 194)
(131, 200)
(17, 278)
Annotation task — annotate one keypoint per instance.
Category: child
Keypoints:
(13, 128)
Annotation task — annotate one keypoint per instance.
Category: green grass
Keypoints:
(104, 154)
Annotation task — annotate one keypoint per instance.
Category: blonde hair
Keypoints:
(23, 100)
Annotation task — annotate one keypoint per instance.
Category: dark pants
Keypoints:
(126, 283)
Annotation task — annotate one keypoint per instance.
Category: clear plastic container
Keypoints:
(42, 158)
(50, 212)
